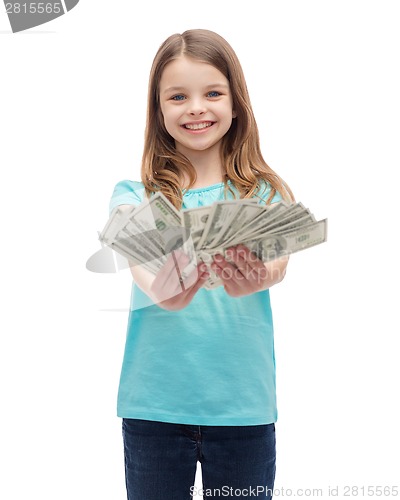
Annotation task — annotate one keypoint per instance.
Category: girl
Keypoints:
(198, 376)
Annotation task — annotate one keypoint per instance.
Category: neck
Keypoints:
(208, 167)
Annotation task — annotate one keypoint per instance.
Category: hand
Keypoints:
(172, 292)
(247, 273)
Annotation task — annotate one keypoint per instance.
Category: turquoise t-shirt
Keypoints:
(211, 363)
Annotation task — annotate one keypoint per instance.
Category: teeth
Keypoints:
(198, 126)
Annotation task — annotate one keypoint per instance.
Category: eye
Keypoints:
(178, 97)
(213, 93)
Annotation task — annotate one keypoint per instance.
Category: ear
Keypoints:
(234, 114)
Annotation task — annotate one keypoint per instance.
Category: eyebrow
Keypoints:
(213, 85)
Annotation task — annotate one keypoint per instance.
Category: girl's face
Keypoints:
(196, 104)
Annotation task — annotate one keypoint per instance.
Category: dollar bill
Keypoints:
(271, 247)
(194, 220)
(146, 234)
(240, 233)
(220, 214)
(246, 213)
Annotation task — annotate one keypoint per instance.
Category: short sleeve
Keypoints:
(127, 193)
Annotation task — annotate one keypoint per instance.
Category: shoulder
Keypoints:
(127, 192)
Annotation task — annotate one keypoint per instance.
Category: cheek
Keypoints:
(163, 117)
(226, 111)
(168, 124)
(168, 115)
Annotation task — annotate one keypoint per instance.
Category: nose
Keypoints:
(197, 107)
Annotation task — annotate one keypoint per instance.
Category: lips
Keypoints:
(197, 125)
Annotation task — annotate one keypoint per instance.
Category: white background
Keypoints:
(323, 78)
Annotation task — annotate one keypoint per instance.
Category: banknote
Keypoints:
(156, 227)
(273, 246)
(147, 233)
(221, 213)
(195, 220)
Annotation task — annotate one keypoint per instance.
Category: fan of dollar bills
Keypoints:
(147, 233)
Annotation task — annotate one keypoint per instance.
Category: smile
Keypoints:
(197, 126)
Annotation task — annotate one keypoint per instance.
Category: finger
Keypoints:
(183, 260)
(240, 262)
(247, 261)
(170, 272)
(178, 283)
(226, 271)
(193, 277)
(199, 283)
(184, 297)
(251, 267)
(185, 264)
(167, 281)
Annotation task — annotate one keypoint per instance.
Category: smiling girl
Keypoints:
(198, 376)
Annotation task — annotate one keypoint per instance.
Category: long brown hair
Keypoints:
(163, 167)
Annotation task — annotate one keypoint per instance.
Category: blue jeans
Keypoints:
(161, 460)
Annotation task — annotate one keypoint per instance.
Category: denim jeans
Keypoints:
(161, 460)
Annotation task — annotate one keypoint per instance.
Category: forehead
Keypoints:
(186, 72)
